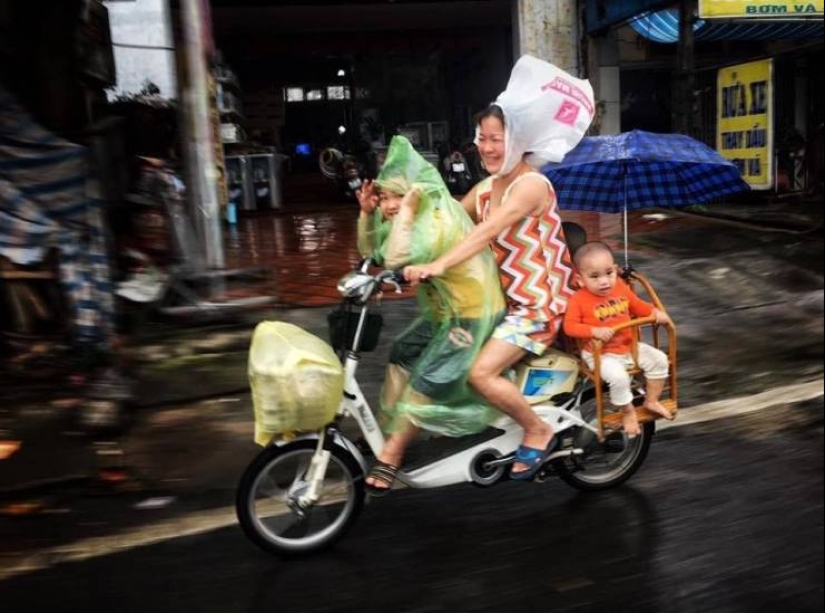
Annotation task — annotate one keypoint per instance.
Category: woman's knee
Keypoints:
(479, 377)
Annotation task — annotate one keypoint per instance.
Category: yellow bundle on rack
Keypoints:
(296, 378)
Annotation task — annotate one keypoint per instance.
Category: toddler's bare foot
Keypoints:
(631, 423)
(659, 409)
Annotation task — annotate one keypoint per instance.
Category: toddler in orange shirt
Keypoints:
(603, 301)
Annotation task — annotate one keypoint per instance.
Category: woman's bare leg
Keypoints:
(486, 378)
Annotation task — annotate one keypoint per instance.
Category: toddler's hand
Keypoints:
(603, 334)
(663, 318)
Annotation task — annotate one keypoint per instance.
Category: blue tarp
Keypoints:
(48, 200)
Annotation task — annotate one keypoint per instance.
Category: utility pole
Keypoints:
(202, 170)
(684, 98)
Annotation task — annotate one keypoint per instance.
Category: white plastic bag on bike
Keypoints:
(296, 378)
(546, 110)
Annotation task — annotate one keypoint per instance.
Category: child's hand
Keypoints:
(663, 318)
(367, 197)
(603, 334)
(411, 199)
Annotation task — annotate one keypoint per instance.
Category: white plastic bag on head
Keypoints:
(546, 111)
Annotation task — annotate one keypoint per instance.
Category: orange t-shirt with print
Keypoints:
(586, 311)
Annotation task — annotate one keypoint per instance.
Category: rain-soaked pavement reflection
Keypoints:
(305, 252)
(308, 251)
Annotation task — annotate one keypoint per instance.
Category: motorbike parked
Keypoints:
(474, 165)
(348, 166)
(456, 172)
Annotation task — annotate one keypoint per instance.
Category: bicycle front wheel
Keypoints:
(270, 499)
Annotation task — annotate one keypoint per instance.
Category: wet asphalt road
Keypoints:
(725, 516)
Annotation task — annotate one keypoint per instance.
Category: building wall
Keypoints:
(39, 63)
(548, 30)
(144, 46)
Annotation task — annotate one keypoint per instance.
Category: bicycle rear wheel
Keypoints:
(603, 467)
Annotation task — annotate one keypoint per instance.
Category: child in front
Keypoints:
(604, 300)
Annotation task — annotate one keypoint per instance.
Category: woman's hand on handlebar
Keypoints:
(367, 197)
(420, 273)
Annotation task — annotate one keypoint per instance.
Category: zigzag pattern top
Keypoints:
(532, 256)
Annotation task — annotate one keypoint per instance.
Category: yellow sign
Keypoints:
(737, 9)
(745, 120)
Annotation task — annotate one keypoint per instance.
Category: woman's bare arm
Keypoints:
(524, 200)
(469, 203)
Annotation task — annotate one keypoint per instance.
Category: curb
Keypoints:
(747, 222)
(743, 405)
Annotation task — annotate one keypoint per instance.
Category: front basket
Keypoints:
(343, 324)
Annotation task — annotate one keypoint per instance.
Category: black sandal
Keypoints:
(384, 473)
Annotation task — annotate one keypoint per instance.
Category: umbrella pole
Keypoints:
(626, 233)
(626, 230)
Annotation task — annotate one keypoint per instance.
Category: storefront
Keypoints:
(728, 33)
(311, 73)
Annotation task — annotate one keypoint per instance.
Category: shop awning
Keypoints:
(663, 27)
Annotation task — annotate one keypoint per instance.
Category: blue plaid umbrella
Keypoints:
(638, 170)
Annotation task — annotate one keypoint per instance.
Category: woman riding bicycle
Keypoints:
(516, 211)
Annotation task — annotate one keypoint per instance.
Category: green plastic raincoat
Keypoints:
(426, 381)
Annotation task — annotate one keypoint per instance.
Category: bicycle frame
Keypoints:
(455, 468)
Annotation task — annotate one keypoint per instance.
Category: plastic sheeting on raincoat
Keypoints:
(430, 361)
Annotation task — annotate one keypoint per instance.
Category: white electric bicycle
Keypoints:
(301, 495)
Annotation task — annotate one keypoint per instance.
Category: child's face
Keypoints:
(389, 203)
(598, 273)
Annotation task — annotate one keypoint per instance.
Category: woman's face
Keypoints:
(491, 144)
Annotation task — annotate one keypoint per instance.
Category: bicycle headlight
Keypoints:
(355, 285)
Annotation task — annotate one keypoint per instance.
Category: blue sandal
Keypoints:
(534, 458)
